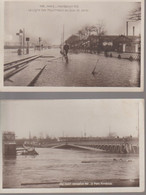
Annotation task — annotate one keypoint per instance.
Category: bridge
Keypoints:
(112, 145)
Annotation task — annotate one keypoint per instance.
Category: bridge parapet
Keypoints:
(93, 141)
(110, 145)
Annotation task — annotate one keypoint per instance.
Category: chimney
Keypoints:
(127, 28)
(133, 30)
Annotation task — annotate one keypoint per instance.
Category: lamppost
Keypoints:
(27, 49)
(21, 35)
(40, 43)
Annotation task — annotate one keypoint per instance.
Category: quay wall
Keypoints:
(9, 144)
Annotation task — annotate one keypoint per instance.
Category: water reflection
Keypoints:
(57, 165)
(109, 72)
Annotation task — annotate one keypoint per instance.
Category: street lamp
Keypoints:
(27, 49)
(21, 41)
(40, 43)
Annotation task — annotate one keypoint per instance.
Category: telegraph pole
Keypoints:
(109, 132)
(23, 40)
(39, 43)
(20, 34)
(27, 49)
(63, 34)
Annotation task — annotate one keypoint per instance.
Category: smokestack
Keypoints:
(133, 30)
(127, 28)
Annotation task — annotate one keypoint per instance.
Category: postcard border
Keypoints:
(70, 89)
(141, 188)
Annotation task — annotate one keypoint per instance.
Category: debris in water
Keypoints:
(94, 72)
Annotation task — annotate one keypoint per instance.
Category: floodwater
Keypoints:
(108, 72)
(52, 166)
(12, 55)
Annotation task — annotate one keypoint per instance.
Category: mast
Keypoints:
(62, 40)
(30, 142)
(63, 35)
(29, 135)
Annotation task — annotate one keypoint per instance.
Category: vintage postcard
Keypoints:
(72, 45)
(66, 146)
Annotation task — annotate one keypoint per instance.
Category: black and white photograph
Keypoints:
(72, 145)
(73, 45)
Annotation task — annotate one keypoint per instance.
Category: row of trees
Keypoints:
(87, 30)
(99, 28)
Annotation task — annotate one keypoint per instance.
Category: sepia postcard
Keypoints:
(72, 45)
(70, 146)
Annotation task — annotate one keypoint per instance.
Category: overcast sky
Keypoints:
(49, 24)
(70, 117)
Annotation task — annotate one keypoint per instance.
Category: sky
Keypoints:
(46, 19)
(58, 118)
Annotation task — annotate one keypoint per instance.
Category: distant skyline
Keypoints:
(49, 24)
(57, 118)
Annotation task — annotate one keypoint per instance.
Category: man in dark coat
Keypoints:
(66, 48)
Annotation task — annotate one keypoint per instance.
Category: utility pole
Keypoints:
(63, 35)
(84, 133)
(23, 40)
(27, 49)
(20, 34)
(109, 132)
(29, 136)
(39, 43)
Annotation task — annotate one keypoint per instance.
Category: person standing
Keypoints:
(66, 48)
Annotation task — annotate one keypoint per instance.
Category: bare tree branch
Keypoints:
(135, 14)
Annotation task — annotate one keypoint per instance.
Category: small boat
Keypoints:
(89, 161)
(29, 151)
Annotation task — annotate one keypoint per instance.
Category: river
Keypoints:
(52, 166)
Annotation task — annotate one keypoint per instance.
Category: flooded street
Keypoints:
(108, 72)
(53, 166)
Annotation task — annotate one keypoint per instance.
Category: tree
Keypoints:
(81, 34)
(86, 31)
(100, 28)
(135, 14)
